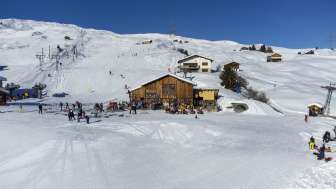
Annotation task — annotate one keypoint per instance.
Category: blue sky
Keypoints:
(288, 23)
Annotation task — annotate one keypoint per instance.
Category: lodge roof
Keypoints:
(162, 76)
(276, 55)
(193, 56)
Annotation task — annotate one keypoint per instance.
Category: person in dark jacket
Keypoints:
(87, 119)
(326, 137)
(321, 154)
(69, 116)
(66, 106)
(133, 107)
(79, 117)
(40, 108)
(61, 106)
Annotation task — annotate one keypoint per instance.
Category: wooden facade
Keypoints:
(234, 66)
(206, 98)
(275, 57)
(165, 89)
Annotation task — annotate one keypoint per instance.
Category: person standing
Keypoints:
(312, 145)
(61, 106)
(306, 118)
(87, 119)
(40, 108)
(67, 106)
(321, 154)
(78, 117)
(69, 115)
(326, 137)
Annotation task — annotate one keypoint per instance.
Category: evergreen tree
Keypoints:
(269, 50)
(262, 48)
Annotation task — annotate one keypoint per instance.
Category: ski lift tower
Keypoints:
(331, 88)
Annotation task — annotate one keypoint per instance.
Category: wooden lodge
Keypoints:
(275, 57)
(234, 66)
(173, 90)
(167, 88)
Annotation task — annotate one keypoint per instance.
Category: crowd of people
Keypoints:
(320, 151)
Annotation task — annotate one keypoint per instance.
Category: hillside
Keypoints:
(87, 77)
(258, 149)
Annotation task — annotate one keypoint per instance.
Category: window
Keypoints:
(151, 94)
(190, 65)
(169, 89)
(204, 64)
(205, 70)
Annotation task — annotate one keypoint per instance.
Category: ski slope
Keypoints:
(297, 79)
(259, 148)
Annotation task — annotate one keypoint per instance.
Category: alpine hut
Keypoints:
(275, 57)
(167, 88)
(234, 66)
(195, 63)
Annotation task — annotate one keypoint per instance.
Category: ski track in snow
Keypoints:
(156, 150)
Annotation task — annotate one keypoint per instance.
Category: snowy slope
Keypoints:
(87, 77)
(259, 148)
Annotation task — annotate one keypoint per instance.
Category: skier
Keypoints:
(311, 143)
(326, 137)
(66, 106)
(61, 106)
(40, 108)
(335, 132)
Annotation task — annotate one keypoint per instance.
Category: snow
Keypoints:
(263, 147)
(150, 150)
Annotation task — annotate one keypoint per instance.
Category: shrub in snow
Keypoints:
(231, 80)
(36, 33)
(256, 95)
(183, 51)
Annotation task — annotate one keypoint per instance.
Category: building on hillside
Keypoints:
(234, 66)
(206, 98)
(147, 42)
(315, 109)
(168, 88)
(3, 96)
(195, 63)
(275, 57)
